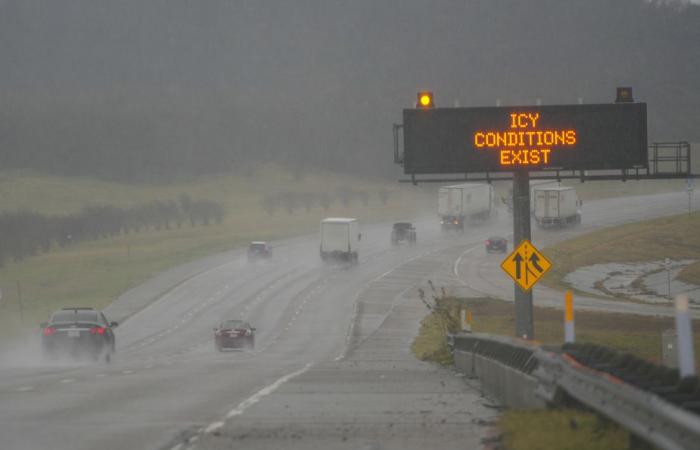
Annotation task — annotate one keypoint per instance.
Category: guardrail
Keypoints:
(506, 366)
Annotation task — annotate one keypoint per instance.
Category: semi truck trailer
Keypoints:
(460, 203)
(556, 206)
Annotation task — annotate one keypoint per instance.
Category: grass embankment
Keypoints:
(94, 273)
(638, 335)
(561, 429)
(675, 237)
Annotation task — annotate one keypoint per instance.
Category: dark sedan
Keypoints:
(234, 334)
(78, 332)
(259, 250)
(496, 244)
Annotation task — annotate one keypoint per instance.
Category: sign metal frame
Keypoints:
(533, 138)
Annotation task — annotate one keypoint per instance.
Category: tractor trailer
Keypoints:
(463, 202)
(556, 206)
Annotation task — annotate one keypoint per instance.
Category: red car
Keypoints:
(234, 334)
(496, 244)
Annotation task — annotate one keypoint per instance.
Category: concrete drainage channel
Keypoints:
(642, 397)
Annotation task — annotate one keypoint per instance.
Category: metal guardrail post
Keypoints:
(645, 414)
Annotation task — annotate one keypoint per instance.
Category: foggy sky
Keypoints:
(331, 76)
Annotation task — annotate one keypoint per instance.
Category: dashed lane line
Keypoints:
(255, 398)
(455, 268)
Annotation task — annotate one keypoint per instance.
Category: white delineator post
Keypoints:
(686, 353)
(569, 333)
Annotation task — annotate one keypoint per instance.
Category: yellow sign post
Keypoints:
(526, 265)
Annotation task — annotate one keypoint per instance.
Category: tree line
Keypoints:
(26, 233)
(293, 201)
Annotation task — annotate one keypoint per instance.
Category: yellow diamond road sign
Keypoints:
(526, 265)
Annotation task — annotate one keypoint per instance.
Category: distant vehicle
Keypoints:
(556, 206)
(259, 250)
(78, 332)
(340, 239)
(496, 244)
(234, 334)
(462, 202)
(403, 232)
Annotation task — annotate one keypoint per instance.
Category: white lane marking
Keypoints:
(25, 389)
(100, 375)
(255, 398)
(68, 380)
(194, 439)
(213, 427)
(177, 447)
(455, 268)
(127, 372)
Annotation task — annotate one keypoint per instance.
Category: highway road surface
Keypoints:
(331, 367)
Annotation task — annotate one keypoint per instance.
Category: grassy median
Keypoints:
(93, 273)
(675, 237)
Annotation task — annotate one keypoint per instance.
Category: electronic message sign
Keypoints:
(506, 139)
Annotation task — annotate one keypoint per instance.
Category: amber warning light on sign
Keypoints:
(524, 142)
(425, 100)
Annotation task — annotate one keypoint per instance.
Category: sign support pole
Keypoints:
(524, 326)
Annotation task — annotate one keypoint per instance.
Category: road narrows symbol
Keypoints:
(526, 265)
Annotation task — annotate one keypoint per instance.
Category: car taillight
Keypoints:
(488, 242)
(48, 331)
(97, 330)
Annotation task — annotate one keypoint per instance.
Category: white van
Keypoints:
(340, 239)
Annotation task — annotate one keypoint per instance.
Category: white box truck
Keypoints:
(556, 206)
(340, 239)
(461, 202)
